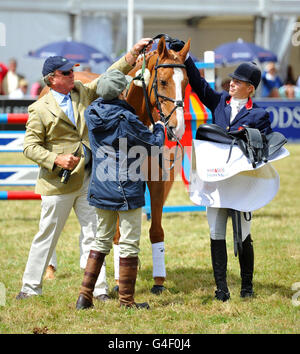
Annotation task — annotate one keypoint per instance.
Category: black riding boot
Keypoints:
(246, 259)
(219, 263)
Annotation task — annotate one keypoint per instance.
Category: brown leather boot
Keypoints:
(127, 279)
(92, 270)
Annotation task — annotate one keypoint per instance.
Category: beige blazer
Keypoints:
(50, 132)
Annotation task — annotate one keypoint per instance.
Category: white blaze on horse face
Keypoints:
(177, 78)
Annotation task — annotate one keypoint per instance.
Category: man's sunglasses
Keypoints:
(67, 73)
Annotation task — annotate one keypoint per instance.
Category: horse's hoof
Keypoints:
(157, 289)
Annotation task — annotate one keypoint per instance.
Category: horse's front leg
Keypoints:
(156, 233)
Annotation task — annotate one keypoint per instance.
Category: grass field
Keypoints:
(188, 305)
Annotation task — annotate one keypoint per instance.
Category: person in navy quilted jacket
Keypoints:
(119, 142)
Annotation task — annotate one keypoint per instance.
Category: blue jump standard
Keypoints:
(3, 195)
(174, 209)
(3, 118)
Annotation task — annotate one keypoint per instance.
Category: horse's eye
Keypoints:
(163, 83)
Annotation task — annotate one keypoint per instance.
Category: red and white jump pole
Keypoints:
(19, 195)
(13, 118)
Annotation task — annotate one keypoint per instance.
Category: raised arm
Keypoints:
(209, 97)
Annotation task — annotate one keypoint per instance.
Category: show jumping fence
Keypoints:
(16, 175)
(25, 175)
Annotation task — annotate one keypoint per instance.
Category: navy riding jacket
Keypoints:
(118, 140)
(219, 103)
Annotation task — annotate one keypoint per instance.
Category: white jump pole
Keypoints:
(209, 69)
(130, 22)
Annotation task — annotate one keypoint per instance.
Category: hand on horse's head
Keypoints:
(141, 44)
(135, 51)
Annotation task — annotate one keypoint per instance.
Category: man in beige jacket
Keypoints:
(55, 132)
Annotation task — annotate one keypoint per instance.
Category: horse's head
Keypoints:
(165, 89)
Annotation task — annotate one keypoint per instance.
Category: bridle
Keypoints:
(154, 87)
(157, 95)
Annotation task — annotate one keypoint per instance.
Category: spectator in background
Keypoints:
(298, 81)
(87, 69)
(225, 85)
(12, 79)
(218, 81)
(36, 89)
(270, 81)
(289, 90)
(3, 72)
(21, 91)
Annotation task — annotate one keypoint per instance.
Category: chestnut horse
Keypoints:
(163, 93)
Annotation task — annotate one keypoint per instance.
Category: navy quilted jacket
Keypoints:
(114, 131)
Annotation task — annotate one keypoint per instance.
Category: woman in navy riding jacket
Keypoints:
(119, 142)
(230, 110)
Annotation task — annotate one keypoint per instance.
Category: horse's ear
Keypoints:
(161, 48)
(185, 49)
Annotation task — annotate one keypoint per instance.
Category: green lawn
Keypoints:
(188, 305)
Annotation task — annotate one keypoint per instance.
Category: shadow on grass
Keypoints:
(277, 215)
(190, 279)
(23, 219)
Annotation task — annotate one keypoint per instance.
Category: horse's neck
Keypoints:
(136, 97)
(85, 76)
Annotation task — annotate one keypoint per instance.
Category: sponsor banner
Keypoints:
(284, 115)
(14, 106)
(18, 175)
(11, 141)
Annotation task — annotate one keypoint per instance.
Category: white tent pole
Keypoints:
(139, 27)
(209, 72)
(130, 22)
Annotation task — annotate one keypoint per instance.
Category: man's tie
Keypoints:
(70, 112)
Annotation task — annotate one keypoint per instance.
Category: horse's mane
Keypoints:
(140, 59)
(148, 56)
